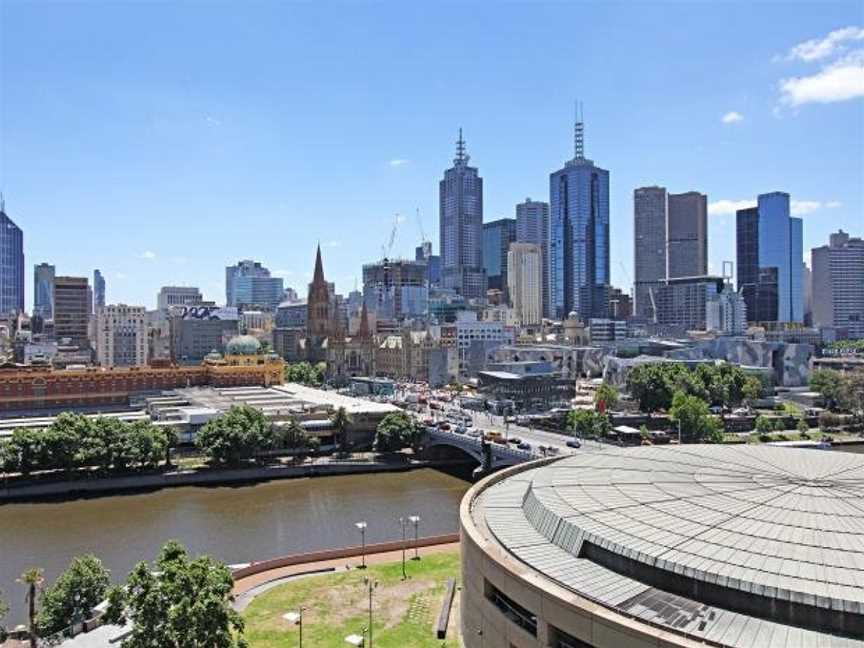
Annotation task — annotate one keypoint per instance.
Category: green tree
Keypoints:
(828, 383)
(606, 394)
(235, 436)
(179, 603)
(828, 421)
(803, 428)
(764, 425)
(395, 432)
(73, 595)
(32, 580)
(851, 396)
(304, 373)
(4, 608)
(341, 419)
(581, 423)
(693, 417)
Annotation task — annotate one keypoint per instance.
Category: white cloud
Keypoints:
(180, 260)
(333, 244)
(732, 117)
(397, 162)
(211, 121)
(833, 204)
(728, 207)
(400, 218)
(840, 81)
(801, 207)
(119, 275)
(820, 48)
(149, 255)
(283, 273)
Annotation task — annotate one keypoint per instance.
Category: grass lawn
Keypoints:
(336, 605)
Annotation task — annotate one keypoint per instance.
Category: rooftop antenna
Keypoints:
(461, 156)
(2, 203)
(578, 133)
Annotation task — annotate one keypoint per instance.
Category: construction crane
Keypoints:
(423, 238)
(388, 247)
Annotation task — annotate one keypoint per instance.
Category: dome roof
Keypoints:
(243, 345)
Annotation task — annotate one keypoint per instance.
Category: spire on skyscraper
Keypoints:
(461, 156)
(578, 133)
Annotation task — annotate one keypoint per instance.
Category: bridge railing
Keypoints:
(475, 443)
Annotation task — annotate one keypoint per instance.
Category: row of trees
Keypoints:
(840, 390)
(177, 602)
(305, 373)
(654, 385)
(588, 424)
(74, 441)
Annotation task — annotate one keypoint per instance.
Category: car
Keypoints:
(574, 443)
(468, 422)
(514, 440)
(443, 425)
(459, 430)
(474, 433)
(524, 446)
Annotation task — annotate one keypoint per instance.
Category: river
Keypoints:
(235, 524)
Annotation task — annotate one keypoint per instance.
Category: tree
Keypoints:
(851, 396)
(32, 579)
(73, 595)
(178, 603)
(828, 421)
(396, 431)
(4, 608)
(304, 373)
(693, 418)
(588, 423)
(606, 397)
(828, 383)
(235, 436)
(341, 419)
(764, 425)
(802, 427)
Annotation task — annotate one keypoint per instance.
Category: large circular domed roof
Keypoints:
(243, 345)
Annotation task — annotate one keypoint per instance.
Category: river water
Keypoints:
(235, 524)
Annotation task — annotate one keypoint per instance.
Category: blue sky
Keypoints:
(161, 142)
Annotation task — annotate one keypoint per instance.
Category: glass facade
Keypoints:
(532, 226)
(43, 290)
(497, 237)
(11, 266)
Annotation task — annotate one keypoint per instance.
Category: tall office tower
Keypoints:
(121, 336)
(249, 285)
(726, 312)
(394, 289)
(687, 235)
(169, 296)
(532, 226)
(11, 264)
(98, 290)
(579, 236)
(770, 260)
(72, 309)
(838, 285)
(433, 263)
(460, 196)
(497, 237)
(649, 247)
(43, 290)
(525, 282)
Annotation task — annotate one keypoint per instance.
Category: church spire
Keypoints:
(318, 276)
(364, 331)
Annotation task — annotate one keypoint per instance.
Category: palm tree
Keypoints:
(341, 419)
(33, 579)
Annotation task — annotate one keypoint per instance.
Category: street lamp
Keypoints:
(362, 527)
(296, 618)
(415, 520)
(371, 585)
(403, 522)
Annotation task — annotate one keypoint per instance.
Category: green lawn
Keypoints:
(336, 605)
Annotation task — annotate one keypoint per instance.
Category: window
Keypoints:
(560, 639)
(522, 617)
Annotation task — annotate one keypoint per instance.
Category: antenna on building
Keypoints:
(461, 156)
(728, 269)
(578, 133)
(2, 203)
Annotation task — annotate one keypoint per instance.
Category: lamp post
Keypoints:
(362, 528)
(415, 520)
(300, 624)
(371, 585)
(402, 523)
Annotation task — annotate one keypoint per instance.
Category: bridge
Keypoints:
(499, 455)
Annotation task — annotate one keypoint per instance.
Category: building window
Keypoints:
(560, 639)
(522, 617)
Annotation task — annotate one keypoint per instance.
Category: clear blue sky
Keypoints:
(161, 142)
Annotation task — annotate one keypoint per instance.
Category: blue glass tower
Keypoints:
(579, 236)
(11, 264)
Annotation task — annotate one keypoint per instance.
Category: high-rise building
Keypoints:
(649, 246)
(43, 290)
(620, 304)
(770, 260)
(169, 296)
(121, 336)
(98, 290)
(682, 302)
(726, 312)
(532, 226)
(72, 309)
(838, 285)
(497, 237)
(461, 227)
(579, 236)
(525, 282)
(433, 263)
(195, 332)
(11, 264)
(249, 285)
(395, 289)
(687, 235)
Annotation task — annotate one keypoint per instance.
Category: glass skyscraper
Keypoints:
(770, 250)
(461, 227)
(579, 237)
(532, 226)
(497, 237)
(98, 289)
(43, 290)
(11, 264)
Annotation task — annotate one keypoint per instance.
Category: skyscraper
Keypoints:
(11, 264)
(649, 246)
(98, 290)
(579, 236)
(532, 226)
(72, 309)
(121, 336)
(461, 226)
(770, 260)
(249, 284)
(687, 235)
(525, 276)
(838, 285)
(497, 237)
(43, 290)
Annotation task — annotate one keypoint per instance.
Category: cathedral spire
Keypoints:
(364, 331)
(318, 276)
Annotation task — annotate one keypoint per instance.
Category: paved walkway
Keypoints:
(243, 585)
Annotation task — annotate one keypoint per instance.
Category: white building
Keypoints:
(726, 312)
(178, 296)
(121, 336)
(838, 285)
(525, 282)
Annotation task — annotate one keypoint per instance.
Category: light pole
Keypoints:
(362, 527)
(371, 585)
(300, 625)
(415, 520)
(402, 523)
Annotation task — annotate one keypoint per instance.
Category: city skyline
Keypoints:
(200, 166)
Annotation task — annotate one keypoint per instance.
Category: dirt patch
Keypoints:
(389, 605)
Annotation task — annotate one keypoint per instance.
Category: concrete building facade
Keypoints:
(72, 309)
(838, 285)
(687, 235)
(169, 296)
(121, 336)
(649, 246)
(532, 226)
(525, 282)
(396, 288)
